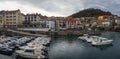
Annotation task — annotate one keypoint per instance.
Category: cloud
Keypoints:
(25, 8)
(61, 7)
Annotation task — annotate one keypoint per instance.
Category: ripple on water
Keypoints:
(65, 48)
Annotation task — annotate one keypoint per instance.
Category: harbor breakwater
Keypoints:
(48, 33)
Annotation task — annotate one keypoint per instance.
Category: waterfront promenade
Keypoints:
(26, 33)
(48, 33)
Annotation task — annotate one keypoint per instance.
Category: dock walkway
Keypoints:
(26, 33)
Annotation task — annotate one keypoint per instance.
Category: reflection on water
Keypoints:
(5, 57)
(60, 48)
(104, 47)
(72, 48)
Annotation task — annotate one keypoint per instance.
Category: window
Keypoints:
(14, 22)
(14, 16)
(6, 13)
(0, 17)
(25, 18)
(35, 17)
(7, 19)
(35, 20)
(7, 16)
(14, 19)
(31, 17)
(10, 16)
(47, 26)
(28, 18)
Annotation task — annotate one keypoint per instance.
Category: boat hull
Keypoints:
(102, 43)
(28, 55)
(6, 52)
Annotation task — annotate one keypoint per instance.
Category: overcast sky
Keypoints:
(59, 7)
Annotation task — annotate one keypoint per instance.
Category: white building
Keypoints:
(117, 21)
(106, 23)
(48, 24)
(42, 25)
(31, 19)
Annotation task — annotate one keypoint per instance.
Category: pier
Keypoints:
(48, 33)
(22, 33)
(26, 33)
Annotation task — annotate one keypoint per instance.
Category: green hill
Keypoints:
(91, 12)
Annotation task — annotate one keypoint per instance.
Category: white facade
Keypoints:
(32, 18)
(106, 23)
(117, 21)
(43, 25)
(49, 24)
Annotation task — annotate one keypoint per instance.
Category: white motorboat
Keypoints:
(22, 40)
(43, 40)
(91, 38)
(96, 40)
(84, 37)
(101, 41)
(46, 40)
(31, 51)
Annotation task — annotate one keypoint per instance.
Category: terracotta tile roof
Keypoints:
(33, 14)
(11, 11)
(56, 18)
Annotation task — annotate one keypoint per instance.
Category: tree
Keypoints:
(90, 12)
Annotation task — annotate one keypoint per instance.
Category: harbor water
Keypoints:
(73, 48)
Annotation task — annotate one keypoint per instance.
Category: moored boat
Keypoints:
(96, 40)
(31, 51)
(101, 41)
(84, 37)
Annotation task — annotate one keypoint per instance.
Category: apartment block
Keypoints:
(31, 20)
(12, 18)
